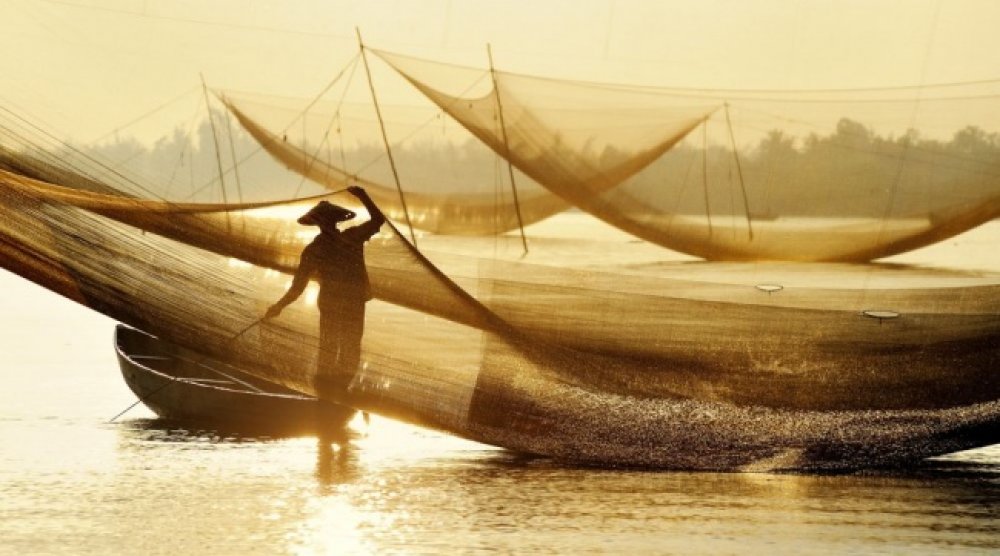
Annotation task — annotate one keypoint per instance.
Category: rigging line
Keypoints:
(739, 171)
(218, 372)
(351, 64)
(426, 123)
(506, 145)
(85, 157)
(232, 154)
(142, 399)
(32, 135)
(789, 100)
(145, 115)
(305, 135)
(311, 160)
(680, 194)
(44, 160)
(200, 363)
(497, 195)
(751, 95)
(385, 138)
(340, 143)
(138, 201)
(218, 155)
(339, 117)
(186, 149)
(295, 120)
(704, 173)
(894, 190)
(84, 167)
(724, 93)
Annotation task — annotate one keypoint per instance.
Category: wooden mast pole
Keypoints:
(704, 173)
(236, 167)
(739, 172)
(385, 137)
(218, 157)
(506, 144)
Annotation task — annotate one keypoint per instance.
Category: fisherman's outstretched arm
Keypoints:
(299, 283)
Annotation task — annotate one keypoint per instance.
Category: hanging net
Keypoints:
(512, 383)
(447, 188)
(449, 181)
(665, 364)
(807, 176)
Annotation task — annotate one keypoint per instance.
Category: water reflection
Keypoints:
(336, 459)
(402, 489)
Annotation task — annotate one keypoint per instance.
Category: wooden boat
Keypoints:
(181, 385)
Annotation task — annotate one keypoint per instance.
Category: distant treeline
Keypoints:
(851, 171)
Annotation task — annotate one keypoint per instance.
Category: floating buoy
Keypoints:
(770, 288)
(881, 315)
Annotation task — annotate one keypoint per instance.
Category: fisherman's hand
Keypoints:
(272, 312)
(357, 191)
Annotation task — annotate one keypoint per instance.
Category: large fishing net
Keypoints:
(694, 365)
(453, 182)
(448, 189)
(487, 380)
(813, 176)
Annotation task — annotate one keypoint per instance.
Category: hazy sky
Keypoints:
(87, 67)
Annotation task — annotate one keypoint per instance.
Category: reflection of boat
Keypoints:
(182, 385)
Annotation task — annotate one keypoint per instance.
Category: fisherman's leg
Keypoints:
(326, 360)
(350, 341)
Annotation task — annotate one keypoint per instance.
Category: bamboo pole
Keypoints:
(506, 144)
(218, 157)
(739, 172)
(236, 166)
(704, 173)
(385, 137)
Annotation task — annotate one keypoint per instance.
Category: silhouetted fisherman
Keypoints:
(336, 259)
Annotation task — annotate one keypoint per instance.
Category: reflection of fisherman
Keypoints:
(336, 259)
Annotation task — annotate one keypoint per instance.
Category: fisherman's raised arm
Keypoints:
(376, 218)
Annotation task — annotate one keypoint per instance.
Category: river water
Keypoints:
(71, 482)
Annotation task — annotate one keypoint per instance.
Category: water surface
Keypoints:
(73, 483)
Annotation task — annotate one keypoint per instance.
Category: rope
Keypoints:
(385, 138)
(739, 172)
(301, 113)
(232, 154)
(218, 155)
(704, 174)
(174, 379)
(145, 115)
(506, 145)
(721, 93)
(326, 136)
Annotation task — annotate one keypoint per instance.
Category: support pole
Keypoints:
(218, 157)
(236, 166)
(739, 172)
(506, 145)
(704, 173)
(385, 138)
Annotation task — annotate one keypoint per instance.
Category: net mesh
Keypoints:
(831, 176)
(683, 365)
(518, 383)
(448, 188)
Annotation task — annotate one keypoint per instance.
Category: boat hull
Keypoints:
(180, 385)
